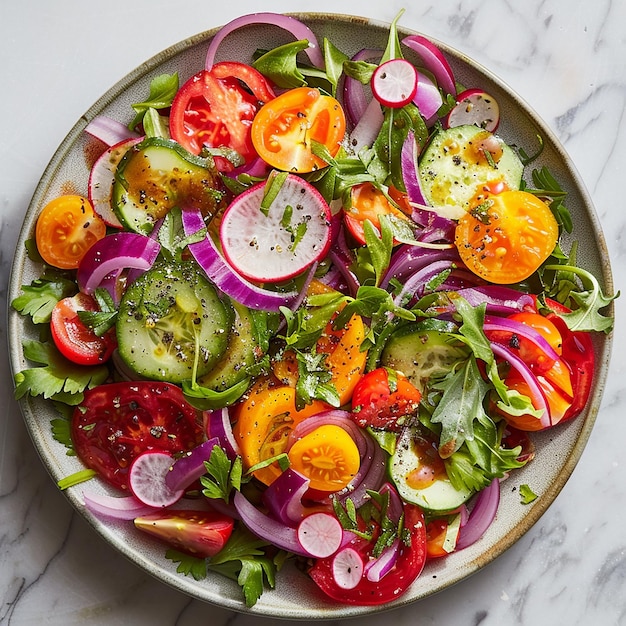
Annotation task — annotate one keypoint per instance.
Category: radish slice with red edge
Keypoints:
(102, 179)
(147, 479)
(320, 534)
(115, 507)
(347, 568)
(434, 61)
(475, 107)
(189, 467)
(225, 278)
(394, 83)
(275, 243)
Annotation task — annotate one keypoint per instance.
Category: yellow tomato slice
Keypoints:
(66, 229)
(506, 238)
(328, 456)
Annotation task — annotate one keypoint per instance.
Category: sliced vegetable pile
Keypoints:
(309, 308)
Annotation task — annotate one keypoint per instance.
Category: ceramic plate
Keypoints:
(558, 451)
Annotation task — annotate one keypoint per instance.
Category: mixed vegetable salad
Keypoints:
(311, 308)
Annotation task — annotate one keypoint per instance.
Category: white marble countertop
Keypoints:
(565, 59)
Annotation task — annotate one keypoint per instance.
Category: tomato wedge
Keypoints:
(116, 422)
(215, 108)
(67, 227)
(507, 237)
(75, 341)
(199, 533)
(284, 129)
(382, 397)
(408, 567)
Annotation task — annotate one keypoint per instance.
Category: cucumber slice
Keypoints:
(454, 165)
(239, 355)
(422, 354)
(166, 316)
(158, 174)
(419, 475)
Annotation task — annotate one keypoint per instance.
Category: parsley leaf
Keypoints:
(314, 380)
(103, 320)
(222, 475)
(243, 559)
(40, 297)
(187, 564)
(172, 236)
(56, 378)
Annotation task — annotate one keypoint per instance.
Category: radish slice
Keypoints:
(281, 241)
(394, 83)
(434, 61)
(347, 568)
(102, 178)
(475, 107)
(320, 534)
(146, 478)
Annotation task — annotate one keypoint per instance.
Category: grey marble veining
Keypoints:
(567, 60)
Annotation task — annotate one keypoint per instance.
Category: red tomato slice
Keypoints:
(284, 128)
(75, 341)
(380, 400)
(408, 567)
(216, 108)
(116, 422)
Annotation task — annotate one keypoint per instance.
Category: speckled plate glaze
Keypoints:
(558, 451)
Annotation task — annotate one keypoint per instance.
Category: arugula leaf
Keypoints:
(206, 399)
(242, 559)
(274, 184)
(462, 403)
(156, 125)
(56, 378)
(548, 186)
(333, 61)
(172, 236)
(40, 297)
(103, 320)
(586, 315)
(393, 49)
(163, 88)
(360, 70)
(280, 65)
(379, 246)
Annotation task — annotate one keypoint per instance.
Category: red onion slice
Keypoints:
(218, 425)
(299, 30)
(481, 516)
(377, 569)
(283, 498)
(108, 130)
(113, 253)
(189, 467)
(427, 98)
(113, 507)
(434, 61)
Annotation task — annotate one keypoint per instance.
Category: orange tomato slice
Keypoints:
(285, 127)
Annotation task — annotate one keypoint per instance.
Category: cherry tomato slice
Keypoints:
(75, 341)
(67, 227)
(506, 238)
(436, 533)
(381, 398)
(283, 130)
(216, 108)
(116, 422)
(368, 203)
(408, 567)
